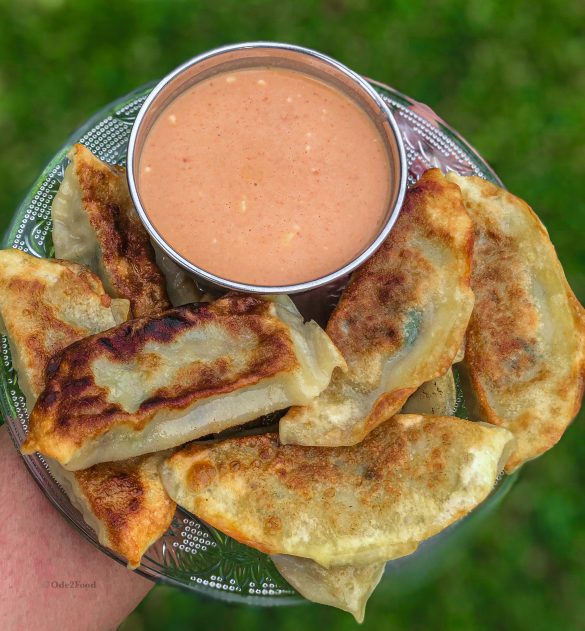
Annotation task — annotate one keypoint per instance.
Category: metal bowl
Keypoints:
(310, 62)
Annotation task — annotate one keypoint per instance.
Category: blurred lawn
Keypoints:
(511, 77)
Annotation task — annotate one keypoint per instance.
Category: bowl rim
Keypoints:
(213, 280)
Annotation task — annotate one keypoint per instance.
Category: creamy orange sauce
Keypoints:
(265, 176)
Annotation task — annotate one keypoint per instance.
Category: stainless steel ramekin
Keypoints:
(315, 298)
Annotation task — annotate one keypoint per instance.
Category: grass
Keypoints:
(511, 78)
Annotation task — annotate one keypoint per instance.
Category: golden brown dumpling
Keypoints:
(400, 322)
(124, 502)
(409, 479)
(525, 352)
(45, 305)
(155, 383)
(348, 587)
(95, 224)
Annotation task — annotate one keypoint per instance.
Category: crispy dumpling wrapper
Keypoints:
(525, 352)
(95, 224)
(346, 587)
(124, 502)
(46, 305)
(399, 323)
(409, 479)
(155, 383)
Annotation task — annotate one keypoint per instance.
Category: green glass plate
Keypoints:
(193, 555)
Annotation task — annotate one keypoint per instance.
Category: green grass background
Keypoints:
(510, 76)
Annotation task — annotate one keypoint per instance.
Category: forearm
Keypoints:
(40, 553)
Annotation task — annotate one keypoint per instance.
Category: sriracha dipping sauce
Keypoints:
(266, 176)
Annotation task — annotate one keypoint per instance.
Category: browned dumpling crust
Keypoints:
(46, 305)
(399, 323)
(124, 502)
(155, 383)
(409, 479)
(525, 352)
(94, 200)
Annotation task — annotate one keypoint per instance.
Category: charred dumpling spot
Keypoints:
(169, 326)
(107, 344)
(116, 489)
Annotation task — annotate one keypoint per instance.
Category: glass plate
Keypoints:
(193, 555)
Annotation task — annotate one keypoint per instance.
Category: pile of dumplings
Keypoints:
(124, 365)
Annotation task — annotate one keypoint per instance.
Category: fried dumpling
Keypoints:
(409, 479)
(124, 502)
(95, 224)
(400, 322)
(154, 383)
(45, 305)
(525, 352)
(437, 397)
(346, 587)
